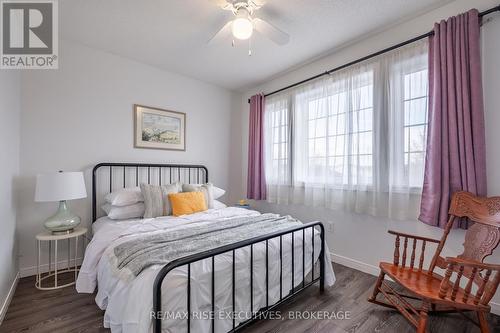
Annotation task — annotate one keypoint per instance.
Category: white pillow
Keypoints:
(219, 205)
(124, 197)
(217, 192)
(124, 212)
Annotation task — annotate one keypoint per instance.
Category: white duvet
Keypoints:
(128, 304)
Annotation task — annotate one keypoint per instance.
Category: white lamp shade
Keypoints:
(60, 186)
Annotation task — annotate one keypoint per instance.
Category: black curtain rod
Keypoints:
(428, 34)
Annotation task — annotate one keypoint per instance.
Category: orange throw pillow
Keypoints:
(187, 203)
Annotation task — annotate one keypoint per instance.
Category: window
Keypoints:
(355, 138)
(339, 132)
(415, 126)
(278, 136)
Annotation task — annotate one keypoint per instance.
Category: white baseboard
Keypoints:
(495, 308)
(374, 270)
(355, 264)
(8, 299)
(30, 271)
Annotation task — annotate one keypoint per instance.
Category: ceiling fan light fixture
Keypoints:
(244, 22)
(242, 26)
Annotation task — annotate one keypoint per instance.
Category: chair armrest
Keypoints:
(402, 234)
(471, 269)
(413, 248)
(471, 263)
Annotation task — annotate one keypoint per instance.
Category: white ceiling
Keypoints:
(173, 34)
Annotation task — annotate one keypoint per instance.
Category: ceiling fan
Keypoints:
(245, 22)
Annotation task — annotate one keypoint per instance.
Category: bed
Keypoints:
(216, 289)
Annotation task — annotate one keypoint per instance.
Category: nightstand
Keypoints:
(47, 236)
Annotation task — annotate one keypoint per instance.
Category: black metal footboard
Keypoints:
(188, 260)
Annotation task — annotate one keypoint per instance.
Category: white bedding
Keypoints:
(128, 305)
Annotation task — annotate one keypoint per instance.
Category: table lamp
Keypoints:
(60, 186)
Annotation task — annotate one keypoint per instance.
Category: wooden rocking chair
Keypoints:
(438, 293)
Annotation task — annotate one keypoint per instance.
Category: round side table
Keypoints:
(47, 236)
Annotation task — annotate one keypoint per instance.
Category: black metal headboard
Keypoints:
(120, 175)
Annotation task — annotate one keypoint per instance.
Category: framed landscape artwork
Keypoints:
(159, 129)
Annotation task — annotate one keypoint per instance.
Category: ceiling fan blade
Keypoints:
(222, 4)
(257, 3)
(270, 31)
(224, 32)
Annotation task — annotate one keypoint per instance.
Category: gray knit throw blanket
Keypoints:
(130, 258)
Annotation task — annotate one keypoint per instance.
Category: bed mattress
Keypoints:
(128, 304)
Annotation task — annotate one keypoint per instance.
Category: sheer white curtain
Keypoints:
(353, 140)
(277, 148)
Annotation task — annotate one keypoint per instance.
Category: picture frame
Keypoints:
(156, 128)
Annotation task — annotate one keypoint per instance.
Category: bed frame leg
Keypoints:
(322, 260)
(157, 310)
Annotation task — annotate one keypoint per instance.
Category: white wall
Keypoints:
(10, 111)
(491, 85)
(361, 241)
(81, 114)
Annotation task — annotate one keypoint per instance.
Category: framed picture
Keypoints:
(159, 129)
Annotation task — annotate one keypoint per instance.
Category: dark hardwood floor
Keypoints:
(66, 311)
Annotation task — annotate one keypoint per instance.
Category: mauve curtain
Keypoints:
(456, 157)
(256, 180)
